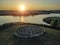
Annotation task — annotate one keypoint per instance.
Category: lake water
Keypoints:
(38, 19)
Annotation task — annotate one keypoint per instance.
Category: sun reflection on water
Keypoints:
(22, 18)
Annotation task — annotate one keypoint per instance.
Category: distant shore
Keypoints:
(27, 13)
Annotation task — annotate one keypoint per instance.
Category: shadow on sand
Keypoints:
(29, 41)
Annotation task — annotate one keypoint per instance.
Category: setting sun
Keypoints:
(22, 7)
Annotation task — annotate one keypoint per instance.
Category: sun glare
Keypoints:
(22, 7)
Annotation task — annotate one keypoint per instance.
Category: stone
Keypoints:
(29, 31)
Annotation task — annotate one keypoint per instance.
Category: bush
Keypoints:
(53, 21)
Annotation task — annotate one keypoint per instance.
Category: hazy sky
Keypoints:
(30, 4)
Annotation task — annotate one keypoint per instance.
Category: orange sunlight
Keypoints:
(22, 18)
(22, 8)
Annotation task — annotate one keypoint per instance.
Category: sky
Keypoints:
(30, 4)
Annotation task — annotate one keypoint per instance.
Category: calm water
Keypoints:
(29, 19)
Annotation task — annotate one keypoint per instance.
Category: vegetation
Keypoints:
(7, 38)
(53, 21)
(5, 26)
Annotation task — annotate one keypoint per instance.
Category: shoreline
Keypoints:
(7, 25)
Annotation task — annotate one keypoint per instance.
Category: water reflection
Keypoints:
(29, 19)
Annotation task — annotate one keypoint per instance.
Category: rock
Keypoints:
(29, 31)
